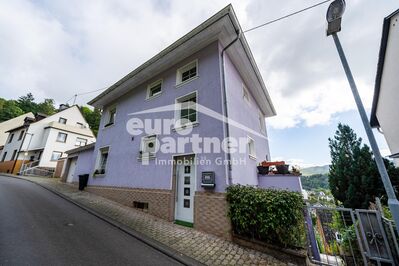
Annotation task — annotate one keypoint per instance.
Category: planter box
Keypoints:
(263, 170)
(297, 257)
(283, 169)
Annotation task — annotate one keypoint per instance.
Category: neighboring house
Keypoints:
(203, 81)
(10, 124)
(41, 140)
(385, 111)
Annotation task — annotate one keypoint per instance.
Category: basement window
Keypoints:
(140, 205)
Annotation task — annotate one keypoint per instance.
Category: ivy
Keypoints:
(268, 215)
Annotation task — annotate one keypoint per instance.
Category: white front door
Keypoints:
(71, 171)
(185, 180)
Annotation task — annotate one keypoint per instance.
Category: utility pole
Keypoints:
(334, 16)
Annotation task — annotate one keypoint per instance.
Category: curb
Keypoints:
(180, 257)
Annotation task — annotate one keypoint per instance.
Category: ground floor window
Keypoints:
(56, 155)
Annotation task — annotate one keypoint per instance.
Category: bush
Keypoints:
(272, 216)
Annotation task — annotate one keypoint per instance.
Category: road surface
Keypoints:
(38, 227)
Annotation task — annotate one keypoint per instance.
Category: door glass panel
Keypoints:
(187, 169)
(186, 191)
(187, 180)
(186, 203)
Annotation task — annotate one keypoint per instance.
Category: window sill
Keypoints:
(253, 157)
(141, 158)
(190, 125)
(153, 97)
(185, 82)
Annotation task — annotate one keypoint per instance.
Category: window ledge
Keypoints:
(190, 125)
(185, 82)
(153, 97)
(141, 158)
(253, 157)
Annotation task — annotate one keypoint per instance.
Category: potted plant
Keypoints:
(296, 171)
(282, 169)
(263, 170)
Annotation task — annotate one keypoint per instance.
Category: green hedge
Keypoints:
(272, 216)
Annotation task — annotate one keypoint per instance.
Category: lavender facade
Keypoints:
(196, 83)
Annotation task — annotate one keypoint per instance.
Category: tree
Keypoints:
(92, 117)
(27, 103)
(46, 107)
(9, 110)
(354, 178)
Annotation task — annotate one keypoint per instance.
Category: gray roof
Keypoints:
(82, 148)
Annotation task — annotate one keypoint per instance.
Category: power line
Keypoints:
(286, 16)
(83, 93)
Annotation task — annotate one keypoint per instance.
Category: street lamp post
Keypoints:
(334, 15)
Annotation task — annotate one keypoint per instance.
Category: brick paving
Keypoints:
(205, 248)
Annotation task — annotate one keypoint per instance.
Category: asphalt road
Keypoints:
(38, 227)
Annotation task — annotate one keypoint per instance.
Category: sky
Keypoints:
(55, 49)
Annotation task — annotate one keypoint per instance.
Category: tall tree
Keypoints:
(27, 103)
(9, 110)
(354, 178)
(92, 117)
(46, 107)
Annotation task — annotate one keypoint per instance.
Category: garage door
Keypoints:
(71, 170)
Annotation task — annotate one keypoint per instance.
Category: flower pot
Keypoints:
(263, 170)
(282, 169)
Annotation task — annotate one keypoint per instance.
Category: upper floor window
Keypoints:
(56, 155)
(62, 120)
(251, 148)
(262, 124)
(186, 110)
(187, 72)
(4, 156)
(21, 134)
(81, 125)
(154, 89)
(80, 142)
(11, 137)
(111, 116)
(62, 137)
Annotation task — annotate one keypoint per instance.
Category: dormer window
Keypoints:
(62, 120)
(111, 116)
(187, 72)
(154, 89)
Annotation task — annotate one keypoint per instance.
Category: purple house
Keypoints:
(180, 128)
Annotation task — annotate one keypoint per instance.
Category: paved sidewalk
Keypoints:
(203, 247)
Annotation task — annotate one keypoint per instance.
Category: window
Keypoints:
(11, 137)
(56, 155)
(186, 112)
(262, 125)
(111, 116)
(245, 93)
(80, 142)
(62, 120)
(251, 148)
(188, 72)
(103, 158)
(61, 137)
(148, 146)
(80, 125)
(14, 155)
(154, 89)
(21, 134)
(4, 156)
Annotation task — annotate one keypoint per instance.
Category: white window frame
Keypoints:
(108, 116)
(144, 140)
(181, 70)
(152, 86)
(79, 142)
(62, 118)
(177, 119)
(245, 94)
(58, 137)
(99, 159)
(52, 156)
(251, 148)
(262, 122)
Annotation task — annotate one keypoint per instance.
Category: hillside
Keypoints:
(323, 170)
(315, 177)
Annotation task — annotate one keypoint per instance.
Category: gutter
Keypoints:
(225, 108)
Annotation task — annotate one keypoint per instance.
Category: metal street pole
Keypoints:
(393, 202)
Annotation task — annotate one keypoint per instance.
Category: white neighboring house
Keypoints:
(385, 111)
(41, 141)
(10, 124)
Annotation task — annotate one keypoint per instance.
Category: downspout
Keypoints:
(226, 124)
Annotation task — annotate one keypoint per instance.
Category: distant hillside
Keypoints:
(323, 170)
(314, 182)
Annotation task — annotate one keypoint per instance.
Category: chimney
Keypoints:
(63, 107)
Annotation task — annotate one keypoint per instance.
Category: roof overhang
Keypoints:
(222, 27)
(81, 149)
(380, 67)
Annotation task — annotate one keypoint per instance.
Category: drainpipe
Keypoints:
(226, 124)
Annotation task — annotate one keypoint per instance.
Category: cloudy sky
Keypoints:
(55, 49)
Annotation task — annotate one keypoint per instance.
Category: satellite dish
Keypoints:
(335, 10)
(334, 15)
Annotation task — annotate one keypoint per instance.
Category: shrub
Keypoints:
(272, 216)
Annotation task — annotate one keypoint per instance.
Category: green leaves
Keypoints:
(272, 216)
